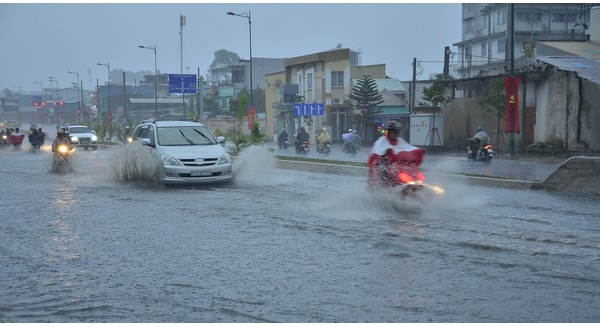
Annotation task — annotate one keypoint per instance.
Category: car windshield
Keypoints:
(82, 129)
(185, 135)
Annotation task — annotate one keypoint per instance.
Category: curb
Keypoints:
(338, 169)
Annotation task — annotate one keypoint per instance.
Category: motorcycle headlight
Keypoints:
(94, 138)
(167, 160)
(74, 139)
(224, 159)
(63, 149)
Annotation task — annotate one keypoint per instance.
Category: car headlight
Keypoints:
(224, 159)
(167, 160)
(74, 139)
(94, 138)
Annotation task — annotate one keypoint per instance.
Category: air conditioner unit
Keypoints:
(336, 100)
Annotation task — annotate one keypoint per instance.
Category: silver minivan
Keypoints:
(186, 151)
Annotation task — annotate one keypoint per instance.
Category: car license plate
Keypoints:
(200, 173)
(85, 142)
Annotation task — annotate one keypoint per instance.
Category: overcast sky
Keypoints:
(39, 40)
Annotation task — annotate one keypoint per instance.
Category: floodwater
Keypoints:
(106, 244)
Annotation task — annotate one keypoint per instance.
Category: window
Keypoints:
(483, 49)
(309, 81)
(563, 18)
(337, 79)
(467, 53)
(500, 17)
(501, 45)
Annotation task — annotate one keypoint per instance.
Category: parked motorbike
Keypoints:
(61, 159)
(486, 155)
(302, 148)
(325, 149)
(349, 148)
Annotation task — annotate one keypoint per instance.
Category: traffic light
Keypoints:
(62, 103)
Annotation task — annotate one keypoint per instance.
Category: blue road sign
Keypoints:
(176, 81)
(308, 109)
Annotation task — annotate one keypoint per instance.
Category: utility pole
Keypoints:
(512, 69)
(181, 24)
(414, 82)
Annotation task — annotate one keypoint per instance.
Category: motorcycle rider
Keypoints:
(126, 134)
(482, 139)
(41, 136)
(323, 138)
(346, 136)
(301, 137)
(391, 148)
(354, 140)
(61, 139)
(282, 138)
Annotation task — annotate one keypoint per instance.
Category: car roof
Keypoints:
(172, 123)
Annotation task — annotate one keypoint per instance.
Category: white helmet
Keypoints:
(350, 130)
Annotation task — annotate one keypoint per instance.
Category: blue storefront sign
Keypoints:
(308, 109)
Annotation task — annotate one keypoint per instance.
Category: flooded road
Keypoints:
(286, 246)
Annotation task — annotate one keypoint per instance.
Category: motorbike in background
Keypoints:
(349, 148)
(16, 140)
(486, 155)
(282, 144)
(303, 148)
(324, 149)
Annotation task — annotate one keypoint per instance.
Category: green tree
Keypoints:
(494, 98)
(366, 99)
(223, 58)
(434, 96)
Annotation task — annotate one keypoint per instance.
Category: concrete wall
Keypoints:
(576, 175)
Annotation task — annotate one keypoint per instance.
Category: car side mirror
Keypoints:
(147, 141)
(221, 140)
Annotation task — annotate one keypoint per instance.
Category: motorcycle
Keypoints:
(127, 139)
(400, 171)
(302, 148)
(61, 159)
(325, 149)
(486, 155)
(5, 140)
(349, 148)
(283, 144)
(16, 140)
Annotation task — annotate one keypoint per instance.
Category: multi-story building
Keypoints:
(318, 78)
(485, 46)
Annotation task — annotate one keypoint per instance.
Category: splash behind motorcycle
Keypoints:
(349, 148)
(61, 159)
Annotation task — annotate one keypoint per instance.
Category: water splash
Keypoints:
(133, 162)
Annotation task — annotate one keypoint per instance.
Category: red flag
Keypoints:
(511, 120)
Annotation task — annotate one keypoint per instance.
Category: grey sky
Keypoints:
(43, 39)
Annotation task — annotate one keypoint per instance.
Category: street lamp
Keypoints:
(19, 106)
(43, 118)
(247, 15)
(107, 65)
(57, 114)
(77, 88)
(153, 48)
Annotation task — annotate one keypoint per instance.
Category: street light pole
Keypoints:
(77, 88)
(153, 48)
(56, 113)
(43, 106)
(19, 105)
(247, 15)
(107, 65)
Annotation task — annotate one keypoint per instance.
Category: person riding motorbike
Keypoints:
(61, 139)
(282, 138)
(481, 139)
(391, 148)
(301, 137)
(17, 137)
(34, 138)
(354, 142)
(346, 136)
(323, 138)
(41, 136)
(125, 138)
